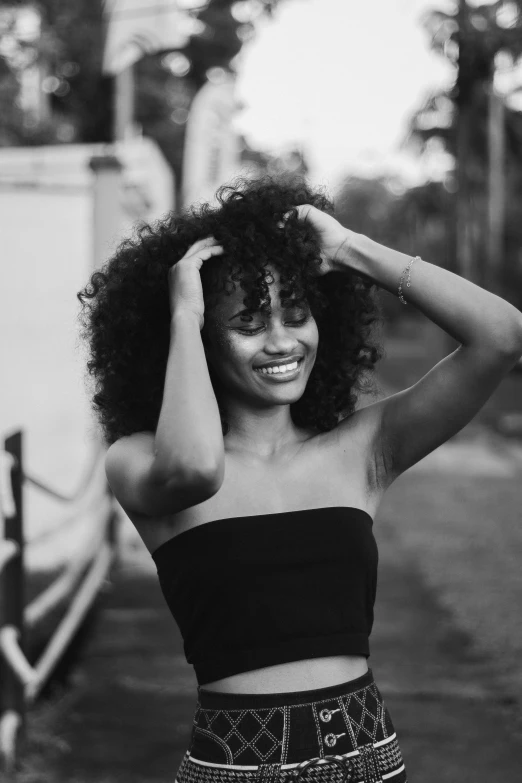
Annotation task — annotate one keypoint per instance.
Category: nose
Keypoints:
(280, 339)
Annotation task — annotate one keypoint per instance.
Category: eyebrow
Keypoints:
(291, 303)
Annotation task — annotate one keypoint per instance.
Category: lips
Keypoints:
(280, 377)
(290, 360)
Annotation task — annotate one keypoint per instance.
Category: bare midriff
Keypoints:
(305, 675)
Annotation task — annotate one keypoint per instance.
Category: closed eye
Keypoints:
(301, 322)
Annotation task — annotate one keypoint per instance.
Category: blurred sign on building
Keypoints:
(138, 27)
(212, 145)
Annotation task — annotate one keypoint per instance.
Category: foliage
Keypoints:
(471, 40)
(291, 162)
(70, 50)
(11, 116)
(416, 221)
(482, 37)
(164, 98)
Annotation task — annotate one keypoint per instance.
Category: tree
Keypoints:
(471, 38)
(166, 84)
(68, 50)
(80, 97)
(412, 220)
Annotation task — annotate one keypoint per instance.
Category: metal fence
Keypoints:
(76, 586)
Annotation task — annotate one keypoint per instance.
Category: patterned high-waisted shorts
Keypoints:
(339, 734)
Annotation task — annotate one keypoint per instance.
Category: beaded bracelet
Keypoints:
(408, 284)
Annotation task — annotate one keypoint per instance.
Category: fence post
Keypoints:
(12, 696)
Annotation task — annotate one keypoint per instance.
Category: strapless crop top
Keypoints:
(255, 591)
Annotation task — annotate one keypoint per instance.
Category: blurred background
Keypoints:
(113, 113)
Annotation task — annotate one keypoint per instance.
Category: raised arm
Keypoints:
(188, 436)
(182, 463)
(406, 426)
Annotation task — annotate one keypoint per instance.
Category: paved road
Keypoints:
(127, 719)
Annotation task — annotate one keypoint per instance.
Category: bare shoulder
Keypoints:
(125, 451)
(138, 440)
(127, 457)
(141, 488)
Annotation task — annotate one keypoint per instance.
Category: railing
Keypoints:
(77, 585)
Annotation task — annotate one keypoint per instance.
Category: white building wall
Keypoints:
(46, 255)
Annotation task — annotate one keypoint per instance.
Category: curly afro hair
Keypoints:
(125, 314)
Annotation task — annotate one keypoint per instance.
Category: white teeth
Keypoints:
(281, 369)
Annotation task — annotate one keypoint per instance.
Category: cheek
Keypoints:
(312, 334)
(227, 348)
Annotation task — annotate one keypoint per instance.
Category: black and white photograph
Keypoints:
(261, 391)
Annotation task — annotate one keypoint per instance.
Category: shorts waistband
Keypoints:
(229, 701)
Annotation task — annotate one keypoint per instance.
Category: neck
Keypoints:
(262, 433)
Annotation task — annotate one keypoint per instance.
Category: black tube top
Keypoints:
(255, 591)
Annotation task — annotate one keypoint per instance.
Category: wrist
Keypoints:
(181, 317)
(353, 253)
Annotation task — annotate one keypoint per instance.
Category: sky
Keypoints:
(312, 78)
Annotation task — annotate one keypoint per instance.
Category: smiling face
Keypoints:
(239, 342)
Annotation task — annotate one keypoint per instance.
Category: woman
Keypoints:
(228, 345)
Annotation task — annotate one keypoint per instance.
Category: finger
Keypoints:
(203, 242)
(201, 247)
(207, 252)
(324, 265)
(281, 223)
(303, 210)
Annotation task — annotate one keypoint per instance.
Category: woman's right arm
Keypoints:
(182, 464)
(189, 439)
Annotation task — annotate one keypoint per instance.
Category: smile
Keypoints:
(282, 373)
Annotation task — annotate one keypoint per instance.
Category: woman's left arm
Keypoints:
(467, 312)
(404, 427)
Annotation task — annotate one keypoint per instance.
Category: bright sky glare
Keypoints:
(338, 79)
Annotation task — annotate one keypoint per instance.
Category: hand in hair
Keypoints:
(185, 288)
(335, 239)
